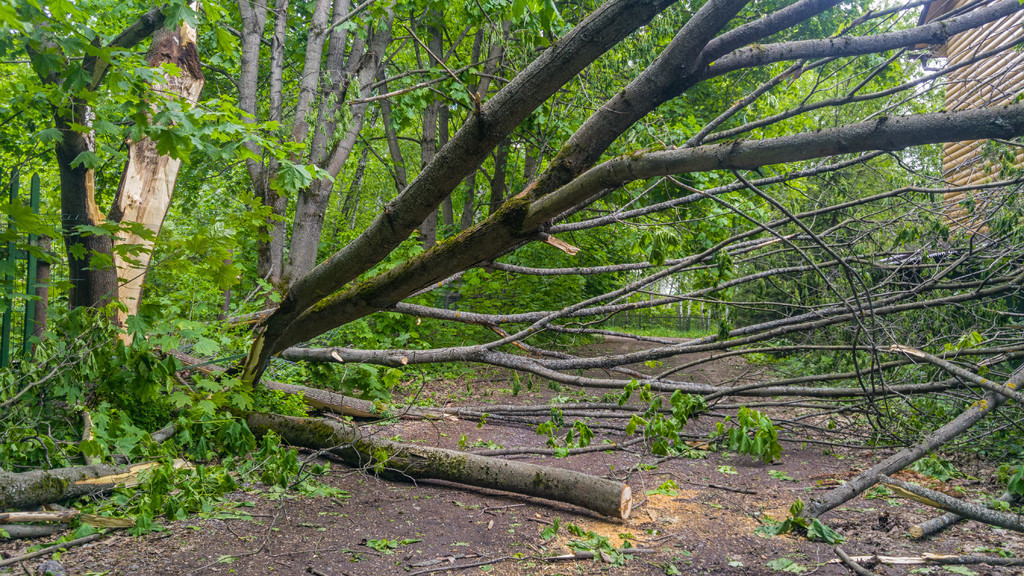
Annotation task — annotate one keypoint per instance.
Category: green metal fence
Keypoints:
(10, 278)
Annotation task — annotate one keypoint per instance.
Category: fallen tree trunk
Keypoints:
(404, 462)
(18, 531)
(950, 504)
(348, 406)
(929, 527)
(37, 487)
(904, 458)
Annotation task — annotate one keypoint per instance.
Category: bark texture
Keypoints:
(147, 184)
(405, 462)
(904, 458)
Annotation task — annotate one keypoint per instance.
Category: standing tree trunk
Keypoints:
(90, 256)
(428, 143)
(311, 204)
(147, 183)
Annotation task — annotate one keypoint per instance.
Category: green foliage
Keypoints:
(753, 434)
(786, 565)
(551, 530)
(601, 545)
(579, 434)
(664, 429)
(813, 528)
(1013, 476)
(385, 546)
(667, 488)
(936, 467)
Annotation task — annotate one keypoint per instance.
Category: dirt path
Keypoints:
(706, 527)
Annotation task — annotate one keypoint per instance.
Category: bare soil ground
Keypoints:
(708, 527)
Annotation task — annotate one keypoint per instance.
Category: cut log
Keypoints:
(409, 462)
(935, 525)
(904, 458)
(950, 504)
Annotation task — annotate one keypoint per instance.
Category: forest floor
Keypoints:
(706, 527)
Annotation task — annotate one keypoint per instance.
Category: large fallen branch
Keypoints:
(929, 527)
(37, 487)
(950, 504)
(404, 462)
(904, 458)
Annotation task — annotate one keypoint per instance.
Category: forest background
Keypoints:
(366, 196)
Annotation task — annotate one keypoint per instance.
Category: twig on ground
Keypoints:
(53, 548)
(851, 564)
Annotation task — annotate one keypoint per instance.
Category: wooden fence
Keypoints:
(33, 292)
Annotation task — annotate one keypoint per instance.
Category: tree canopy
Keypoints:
(365, 190)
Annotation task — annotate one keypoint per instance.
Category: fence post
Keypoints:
(31, 279)
(5, 327)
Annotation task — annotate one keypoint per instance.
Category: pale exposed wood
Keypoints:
(64, 517)
(147, 183)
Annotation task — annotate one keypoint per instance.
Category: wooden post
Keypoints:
(5, 326)
(31, 277)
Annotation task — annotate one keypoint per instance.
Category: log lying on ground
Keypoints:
(940, 523)
(18, 531)
(950, 504)
(904, 458)
(37, 487)
(408, 462)
(929, 558)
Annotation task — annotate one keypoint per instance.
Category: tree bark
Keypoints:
(498, 186)
(406, 461)
(601, 30)
(938, 524)
(904, 458)
(38, 487)
(950, 504)
(90, 256)
(311, 204)
(147, 183)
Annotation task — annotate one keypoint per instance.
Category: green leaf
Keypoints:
(667, 488)
(48, 135)
(819, 531)
(786, 565)
(550, 531)
(87, 159)
(518, 8)
(961, 570)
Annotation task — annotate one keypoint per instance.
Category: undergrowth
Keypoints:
(89, 378)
